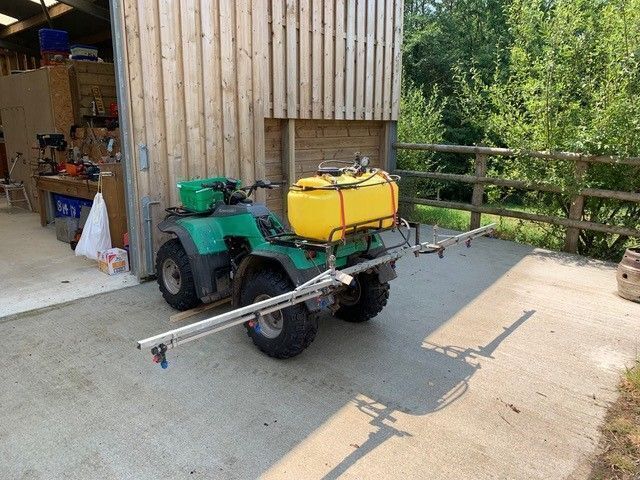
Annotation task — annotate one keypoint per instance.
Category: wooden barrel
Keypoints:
(629, 275)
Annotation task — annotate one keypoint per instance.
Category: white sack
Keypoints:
(95, 235)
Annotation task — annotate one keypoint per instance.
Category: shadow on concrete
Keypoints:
(223, 409)
(462, 363)
(382, 419)
(384, 367)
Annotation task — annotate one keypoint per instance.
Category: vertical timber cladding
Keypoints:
(196, 84)
(334, 59)
(202, 76)
(337, 60)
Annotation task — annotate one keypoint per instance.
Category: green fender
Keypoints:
(207, 252)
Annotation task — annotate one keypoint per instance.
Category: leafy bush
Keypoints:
(420, 122)
(564, 75)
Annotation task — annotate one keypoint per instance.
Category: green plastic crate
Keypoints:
(198, 199)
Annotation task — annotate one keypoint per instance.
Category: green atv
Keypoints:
(240, 249)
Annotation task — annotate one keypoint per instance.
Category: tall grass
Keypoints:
(520, 231)
(620, 444)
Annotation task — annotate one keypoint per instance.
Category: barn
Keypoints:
(249, 89)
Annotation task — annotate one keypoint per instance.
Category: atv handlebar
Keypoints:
(261, 184)
(232, 185)
(233, 193)
(265, 184)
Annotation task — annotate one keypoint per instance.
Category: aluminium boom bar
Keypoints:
(318, 286)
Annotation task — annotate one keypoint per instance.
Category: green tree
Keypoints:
(420, 122)
(571, 82)
(442, 35)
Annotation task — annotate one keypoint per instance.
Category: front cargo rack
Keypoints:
(185, 212)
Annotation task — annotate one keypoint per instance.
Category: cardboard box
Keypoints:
(95, 146)
(113, 261)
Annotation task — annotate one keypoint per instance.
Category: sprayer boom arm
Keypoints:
(321, 285)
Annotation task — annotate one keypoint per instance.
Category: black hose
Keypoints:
(342, 186)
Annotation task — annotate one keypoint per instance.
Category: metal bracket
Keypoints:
(147, 231)
(343, 278)
(143, 153)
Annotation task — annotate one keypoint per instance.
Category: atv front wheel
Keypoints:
(364, 300)
(284, 333)
(175, 277)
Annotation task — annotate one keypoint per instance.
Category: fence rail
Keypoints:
(573, 223)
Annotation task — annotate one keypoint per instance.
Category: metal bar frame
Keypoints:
(126, 134)
(359, 231)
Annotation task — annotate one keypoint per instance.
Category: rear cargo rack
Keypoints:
(353, 231)
(355, 227)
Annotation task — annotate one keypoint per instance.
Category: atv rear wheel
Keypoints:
(364, 300)
(175, 277)
(281, 334)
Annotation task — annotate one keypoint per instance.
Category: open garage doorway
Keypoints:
(59, 146)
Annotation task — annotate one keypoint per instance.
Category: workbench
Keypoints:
(112, 192)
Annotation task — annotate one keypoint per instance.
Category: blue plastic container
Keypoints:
(86, 51)
(66, 206)
(53, 40)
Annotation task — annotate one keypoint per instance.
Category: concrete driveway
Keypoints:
(496, 362)
(34, 266)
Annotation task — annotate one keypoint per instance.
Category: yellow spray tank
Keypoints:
(339, 201)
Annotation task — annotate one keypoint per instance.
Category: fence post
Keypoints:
(478, 190)
(576, 209)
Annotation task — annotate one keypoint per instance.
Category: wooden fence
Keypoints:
(573, 223)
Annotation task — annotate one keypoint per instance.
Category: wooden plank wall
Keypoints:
(195, 72)
(10, 60)
(335, 59)
(204, 74)
(318, 140)
(33, 102)
(273, 129)
(86, 75)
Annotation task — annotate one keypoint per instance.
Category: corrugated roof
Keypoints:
(23, 9)
(21, 31)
